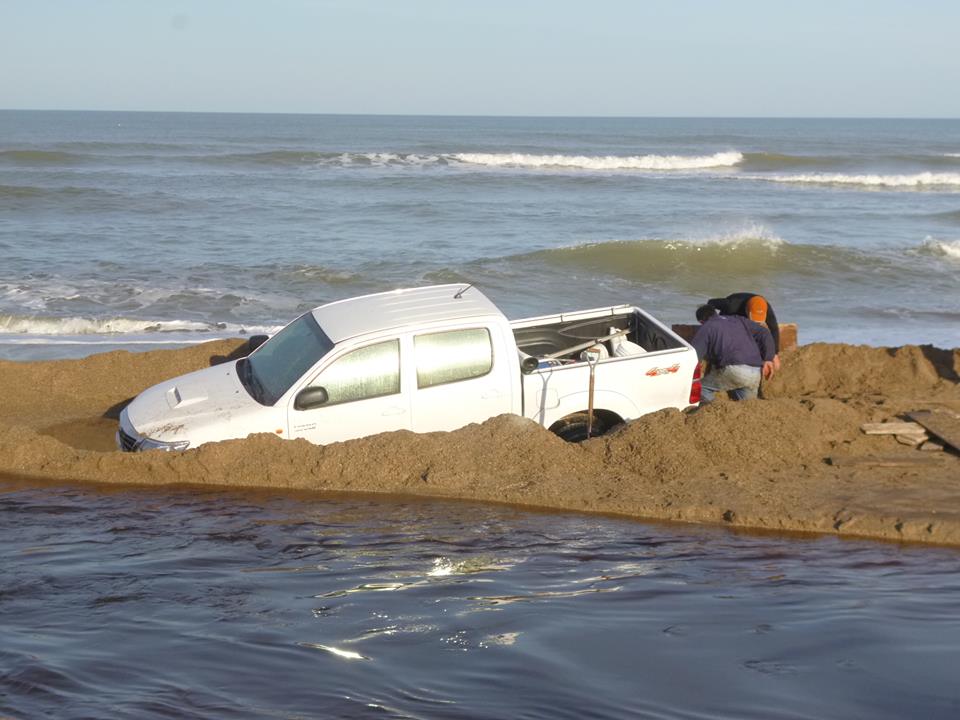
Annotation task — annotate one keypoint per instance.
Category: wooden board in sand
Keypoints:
(917, 460)
(943, 423)
(892, 428)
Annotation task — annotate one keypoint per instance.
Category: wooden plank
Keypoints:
(912, 439)
(685, 331)
(892, 428)
(788, 336)
(943, 423)
(911, 460)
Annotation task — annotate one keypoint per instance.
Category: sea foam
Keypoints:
(750, 236)
(924, 179)
(602, 162)
(941, 248)
(41, 325)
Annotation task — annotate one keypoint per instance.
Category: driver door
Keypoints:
(364, 397)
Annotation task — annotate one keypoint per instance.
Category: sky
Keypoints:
(635, 58)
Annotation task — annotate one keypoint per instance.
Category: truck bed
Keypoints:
(656, 376)
(548, 335)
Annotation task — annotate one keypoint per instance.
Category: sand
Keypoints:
(774, 464)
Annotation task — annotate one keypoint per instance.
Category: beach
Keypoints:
(782, 463)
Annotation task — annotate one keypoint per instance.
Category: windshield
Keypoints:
(283, 359)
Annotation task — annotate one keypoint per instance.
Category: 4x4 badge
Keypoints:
(653, 372)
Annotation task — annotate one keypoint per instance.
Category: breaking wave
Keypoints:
(40, 325)
(218, 293)
(768, 161)
(941, 248)
(749, 253)
(917, 180)
(309, 157)
(604, 162)
(493, 160)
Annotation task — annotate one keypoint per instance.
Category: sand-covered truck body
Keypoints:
(423, 359)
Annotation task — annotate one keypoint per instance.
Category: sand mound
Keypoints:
(758, 465)
(729, 437)
(848, 371)
(60, 389)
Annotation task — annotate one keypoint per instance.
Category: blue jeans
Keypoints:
(741, 381)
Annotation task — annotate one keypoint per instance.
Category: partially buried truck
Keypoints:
(423, 359)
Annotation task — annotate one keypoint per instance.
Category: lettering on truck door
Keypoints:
(462, 376)
(364, 397)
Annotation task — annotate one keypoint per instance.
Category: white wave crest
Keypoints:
(45, 325)
(941, 248)
(749, 236)
(38, 297)
(604, 162)
(924, 179)
(387, 159)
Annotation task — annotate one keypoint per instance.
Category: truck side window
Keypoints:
(367, 372)
(446, 357)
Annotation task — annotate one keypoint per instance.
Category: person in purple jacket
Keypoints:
(738, 351)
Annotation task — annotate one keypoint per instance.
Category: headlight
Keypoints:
(151, 444)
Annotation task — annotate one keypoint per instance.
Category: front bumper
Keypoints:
(129, 440)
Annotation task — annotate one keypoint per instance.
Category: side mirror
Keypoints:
(310, 398)
(529, 365)
(256, 341)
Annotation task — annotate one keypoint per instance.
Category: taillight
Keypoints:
(695, 385)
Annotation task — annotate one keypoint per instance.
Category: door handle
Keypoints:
(490, 395)
(393, 411)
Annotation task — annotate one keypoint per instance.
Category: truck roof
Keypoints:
(348, 318)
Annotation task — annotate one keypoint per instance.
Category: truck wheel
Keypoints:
(573, 428)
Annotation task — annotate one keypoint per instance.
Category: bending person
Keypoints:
(756, 308)
(738, 350)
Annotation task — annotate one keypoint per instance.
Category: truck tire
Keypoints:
(573, 428)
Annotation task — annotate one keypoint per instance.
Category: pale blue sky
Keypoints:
(838, 58)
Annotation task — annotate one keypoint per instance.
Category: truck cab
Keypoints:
(422, 359)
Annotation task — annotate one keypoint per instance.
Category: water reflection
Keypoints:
(339, 652)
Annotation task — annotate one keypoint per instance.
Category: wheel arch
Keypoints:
(603, 418)
(606, 404)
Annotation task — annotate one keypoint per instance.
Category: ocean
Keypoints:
(140, 230)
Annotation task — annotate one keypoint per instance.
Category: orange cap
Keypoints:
(757, 309)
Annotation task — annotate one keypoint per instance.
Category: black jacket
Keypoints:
(736, 304)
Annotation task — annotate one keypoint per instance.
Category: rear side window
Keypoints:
(367, 372)
(446, 357)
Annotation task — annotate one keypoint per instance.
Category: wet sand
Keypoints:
(776, 464)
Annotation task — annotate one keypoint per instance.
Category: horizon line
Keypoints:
(491, 116)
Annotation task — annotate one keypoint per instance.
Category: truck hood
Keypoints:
(203, 406)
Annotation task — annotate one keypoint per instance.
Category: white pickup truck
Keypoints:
(423, 359)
